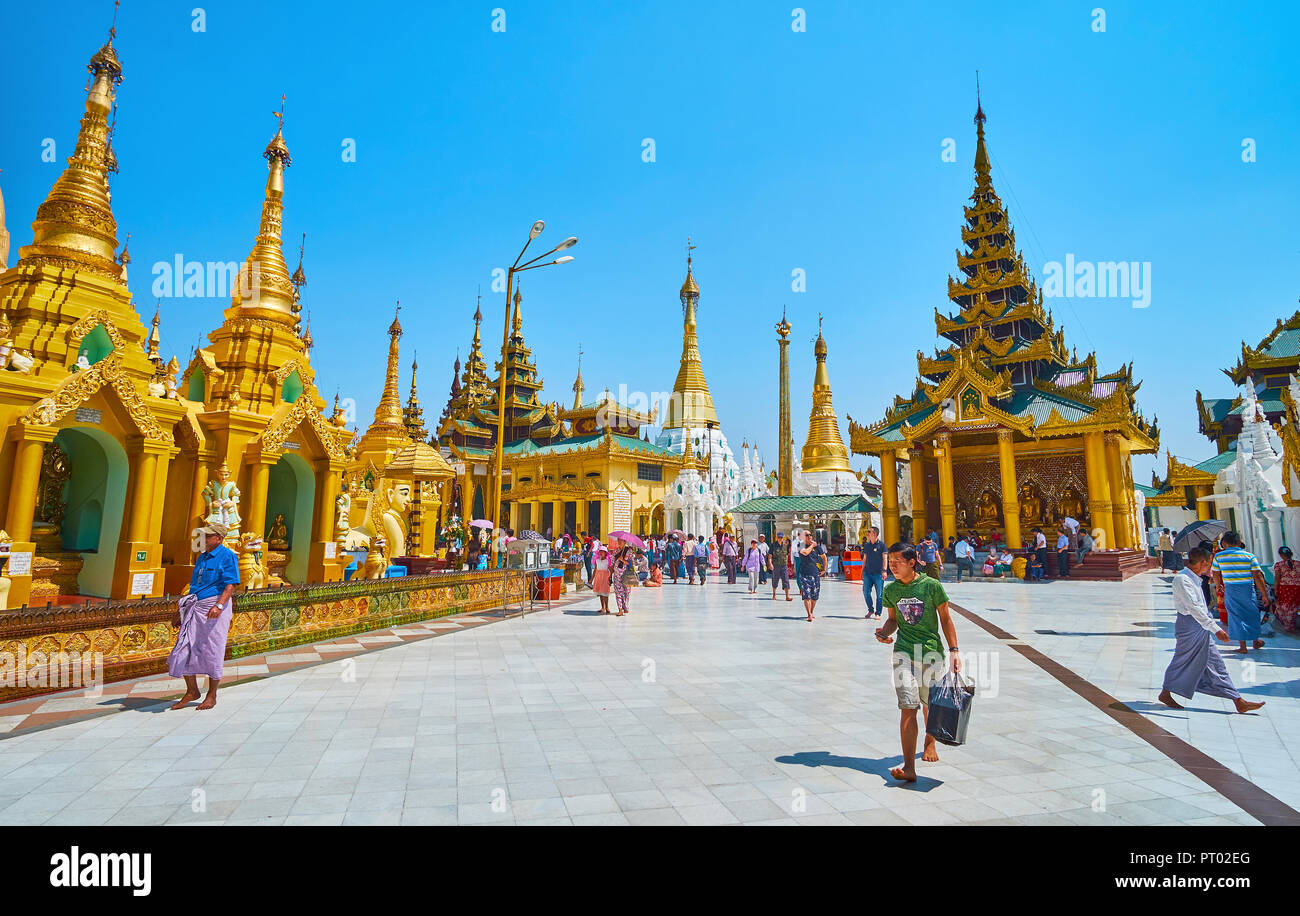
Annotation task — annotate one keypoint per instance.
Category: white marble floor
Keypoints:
(1120, 637)
(704, 706)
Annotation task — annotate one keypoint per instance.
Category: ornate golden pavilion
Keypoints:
(582, 469)
(1269, 366)
(108, 464)
(1005, 429)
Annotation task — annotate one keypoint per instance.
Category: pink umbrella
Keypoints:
(629, 538)
(480, 523)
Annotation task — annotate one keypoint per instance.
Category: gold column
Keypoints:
(582, 515)
(889, 496)
(259, 475)
(947, 495)
(146, 465)
(916, 464)
(557, 519)
(22, 489)
(1099, 508)
(1204, 510)
(197, 485)
(1010, 489)
(1121, 519)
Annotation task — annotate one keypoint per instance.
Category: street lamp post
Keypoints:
(515, 268)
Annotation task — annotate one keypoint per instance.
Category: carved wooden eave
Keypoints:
(105, 374)
(87, 323)
(304, 412)
(1179, 474)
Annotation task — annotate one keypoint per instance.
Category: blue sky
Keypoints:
(774, 150)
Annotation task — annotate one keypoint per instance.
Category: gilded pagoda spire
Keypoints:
(578, 387)
(824, 449)
(75, 227)
(4, 235)
(265, 286)
(388, 415)
(691, 403)
(413, 413)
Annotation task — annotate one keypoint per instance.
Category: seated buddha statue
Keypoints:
(1071, 506)
(986, 512)
(1031, 507)
(278, 538)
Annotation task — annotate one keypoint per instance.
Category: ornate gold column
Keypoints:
(1121, 519)
(916, 466)
(557, 518)
(1099, 507)
(258, 476)
(1204, 510)
(138, 568)
(320, 566)
(22, 487)
(947, 495)
(1010, 489)
(582, 515)
(889, 496)
(30, 442)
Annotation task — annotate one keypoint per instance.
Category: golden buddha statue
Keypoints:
(1071, 506)
(1031, 507)
(279, 536)
(986, 512)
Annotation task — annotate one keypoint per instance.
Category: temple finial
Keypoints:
(979, 108)
(112, 29)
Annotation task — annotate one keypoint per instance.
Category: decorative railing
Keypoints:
(133, 638)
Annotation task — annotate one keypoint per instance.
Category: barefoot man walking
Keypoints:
(918, 607)
(205, 618)
(1197, 664)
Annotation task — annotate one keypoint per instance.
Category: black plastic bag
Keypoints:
(951, 700)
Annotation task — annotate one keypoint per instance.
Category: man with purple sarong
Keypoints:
(205, 615)
(1197, 666)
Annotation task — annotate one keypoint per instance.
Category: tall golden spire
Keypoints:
(516, 323)
(578, 387)
(824, 449)
(75, 227)
(413, 413)
(388, 415)
(983, 178)
(785, 454)
(265, 275)
(691, 403)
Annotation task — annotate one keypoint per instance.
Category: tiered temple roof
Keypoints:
(472, 416)
(1268, 368)
(1006, 358)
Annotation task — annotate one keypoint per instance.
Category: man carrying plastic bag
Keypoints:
(918, 607)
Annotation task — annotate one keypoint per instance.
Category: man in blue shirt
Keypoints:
(928, 553)
(204, 618)
(965, 555)
(873, 571)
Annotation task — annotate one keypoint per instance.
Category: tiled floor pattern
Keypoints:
(1119, 636)
(67, 706)
(704, 706)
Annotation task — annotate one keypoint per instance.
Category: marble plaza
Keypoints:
(704, 706)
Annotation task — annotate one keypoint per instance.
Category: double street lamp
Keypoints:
(515, 268)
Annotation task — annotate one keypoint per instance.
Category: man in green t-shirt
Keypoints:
(918, 607)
